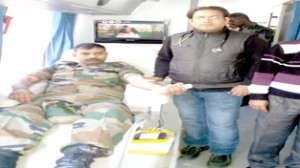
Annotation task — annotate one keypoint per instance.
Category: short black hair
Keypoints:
(88, 46)
(191, 13)
(239, 15)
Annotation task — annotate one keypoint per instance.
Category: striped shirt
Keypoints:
(278, 73)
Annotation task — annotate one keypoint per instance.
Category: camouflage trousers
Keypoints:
(101, 123)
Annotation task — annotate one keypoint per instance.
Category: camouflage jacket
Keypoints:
(73, 82)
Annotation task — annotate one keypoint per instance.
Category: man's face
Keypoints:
(235, 22)
(91, 56)
(208, 21)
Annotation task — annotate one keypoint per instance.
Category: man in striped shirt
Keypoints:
(275, 92)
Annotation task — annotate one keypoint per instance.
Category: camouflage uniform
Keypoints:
(92, 94)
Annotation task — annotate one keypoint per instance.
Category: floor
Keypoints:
(246, 126)
(48, 151)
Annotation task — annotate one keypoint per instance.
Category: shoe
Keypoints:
(78, 156)
(192, 152)
(219, 161)
(8, 159)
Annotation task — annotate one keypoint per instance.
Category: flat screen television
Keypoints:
(129, 31)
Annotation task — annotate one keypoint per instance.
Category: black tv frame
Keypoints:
(156, 36)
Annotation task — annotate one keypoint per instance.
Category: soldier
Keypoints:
(241, 22)
(87, 93)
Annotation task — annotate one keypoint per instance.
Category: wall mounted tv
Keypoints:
(129, 31)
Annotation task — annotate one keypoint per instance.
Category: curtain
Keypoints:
(294, 29)
(61, 37)
(2, 9)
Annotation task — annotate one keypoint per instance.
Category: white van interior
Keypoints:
(28, 32)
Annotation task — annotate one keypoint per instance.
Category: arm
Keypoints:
(138, 81)
(163, 60)
(255, 48)
(263, 77)
(21, 90)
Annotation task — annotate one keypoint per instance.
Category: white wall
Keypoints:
(140, 55)
(284, 23)
(258, 10)
(143, 55)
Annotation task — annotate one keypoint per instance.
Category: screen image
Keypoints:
(124, 31)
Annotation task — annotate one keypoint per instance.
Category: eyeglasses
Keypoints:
(212, 18)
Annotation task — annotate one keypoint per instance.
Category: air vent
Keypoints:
(102, 2)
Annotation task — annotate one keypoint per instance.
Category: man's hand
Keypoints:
(259, 105)
(22, 95)
(240, 90)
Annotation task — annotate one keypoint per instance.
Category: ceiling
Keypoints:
(93, 7)
(252, 3)
(115, 7)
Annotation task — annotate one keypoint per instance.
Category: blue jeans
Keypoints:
(271, 132)
(209, 117)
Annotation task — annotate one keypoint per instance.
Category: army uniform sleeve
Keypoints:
(44, 74)
(125, 68)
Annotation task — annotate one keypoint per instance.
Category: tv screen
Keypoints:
(128, 31)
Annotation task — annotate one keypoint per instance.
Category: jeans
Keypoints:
(209, 117)
(271, 132)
